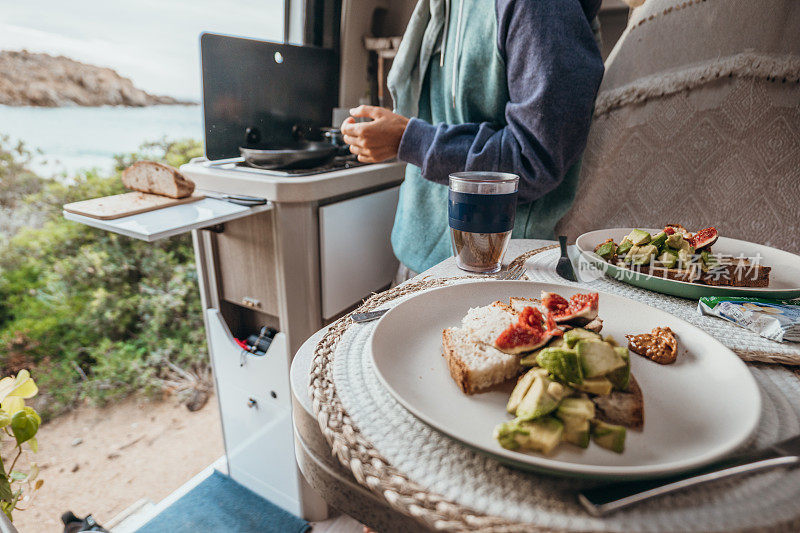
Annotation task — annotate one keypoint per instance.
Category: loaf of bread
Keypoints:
(155, 178)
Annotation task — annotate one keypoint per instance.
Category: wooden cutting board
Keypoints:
(126, 204)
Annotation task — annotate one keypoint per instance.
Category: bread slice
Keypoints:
(622, 408)
(476, 366)
(155, 178)
(518, 303)
(738, 273)
(485, 324)
(689, 275)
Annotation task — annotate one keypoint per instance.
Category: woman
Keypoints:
(502, 86)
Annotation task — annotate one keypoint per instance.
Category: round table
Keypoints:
(322, 469)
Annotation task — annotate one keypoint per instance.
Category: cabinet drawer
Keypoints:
(246, 255)
(258, 375)
(356, 256)
(260, 447)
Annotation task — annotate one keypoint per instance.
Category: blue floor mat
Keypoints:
(219, 504)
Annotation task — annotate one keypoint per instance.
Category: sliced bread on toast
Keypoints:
(155, 178)
(476, 366)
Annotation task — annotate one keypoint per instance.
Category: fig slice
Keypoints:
(579, 310)
(531, 331)
(669, 229)
(704, 238)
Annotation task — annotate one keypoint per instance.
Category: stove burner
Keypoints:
(337, 163)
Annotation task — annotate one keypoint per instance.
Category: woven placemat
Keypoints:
(747, 344)
(403, 485)
(474, 480)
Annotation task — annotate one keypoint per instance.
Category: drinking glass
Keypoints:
(481, 208)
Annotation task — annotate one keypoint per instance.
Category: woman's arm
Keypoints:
(554, 69)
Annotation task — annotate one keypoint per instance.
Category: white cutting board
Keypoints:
(126, 204)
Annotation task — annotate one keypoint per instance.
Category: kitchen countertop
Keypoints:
(312, 188)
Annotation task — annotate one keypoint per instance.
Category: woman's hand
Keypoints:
(377, 140)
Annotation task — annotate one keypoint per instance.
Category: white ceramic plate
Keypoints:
(696, 410)
(784, 278)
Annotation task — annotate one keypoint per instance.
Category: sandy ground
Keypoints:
(131, 450)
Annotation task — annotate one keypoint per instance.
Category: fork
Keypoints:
(512, 274)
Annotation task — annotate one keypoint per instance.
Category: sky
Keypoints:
(153, 42)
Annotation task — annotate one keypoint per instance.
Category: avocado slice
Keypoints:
(575, 413)
(632, 251)
(575, 408)
(659, 239)
(523, 384)
(561, 363)
(608, 436)
(599, 386)
(638, 237)
(607, 250)
(644, 254)
(675, 241)
(668, 258)
(685, 257)
(541, 435)
(624, 246)
(598, 358)
(542, 398)
(530, 359)
(577, 433)
(572, 336)
(621, 377)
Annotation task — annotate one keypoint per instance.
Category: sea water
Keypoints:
(75, 138)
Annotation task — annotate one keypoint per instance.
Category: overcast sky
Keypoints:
(153, 42)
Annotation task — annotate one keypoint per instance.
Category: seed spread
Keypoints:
(661, 345)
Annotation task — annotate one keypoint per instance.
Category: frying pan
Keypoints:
(304, 154)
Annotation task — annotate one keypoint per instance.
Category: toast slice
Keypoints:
(476, 366)
(485, 324)
(689, 275)
(737, 272)
(155, 178)
(518, 303)
(625, 408)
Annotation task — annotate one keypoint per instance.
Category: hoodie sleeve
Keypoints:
(554, 69)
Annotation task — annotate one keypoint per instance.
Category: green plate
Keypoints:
(784, 280)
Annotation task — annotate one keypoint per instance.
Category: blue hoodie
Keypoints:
(508, 86)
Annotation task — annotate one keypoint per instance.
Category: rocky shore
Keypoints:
(34, 79)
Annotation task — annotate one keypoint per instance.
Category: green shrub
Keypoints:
(95, 314)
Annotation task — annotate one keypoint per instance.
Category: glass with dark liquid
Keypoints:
(481, 208)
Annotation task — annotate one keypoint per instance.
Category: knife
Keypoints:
(368, 316)
(606, 499)
(243, 200)
(239, 199)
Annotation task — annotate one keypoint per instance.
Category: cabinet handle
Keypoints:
(251, 402)
(251, 302)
